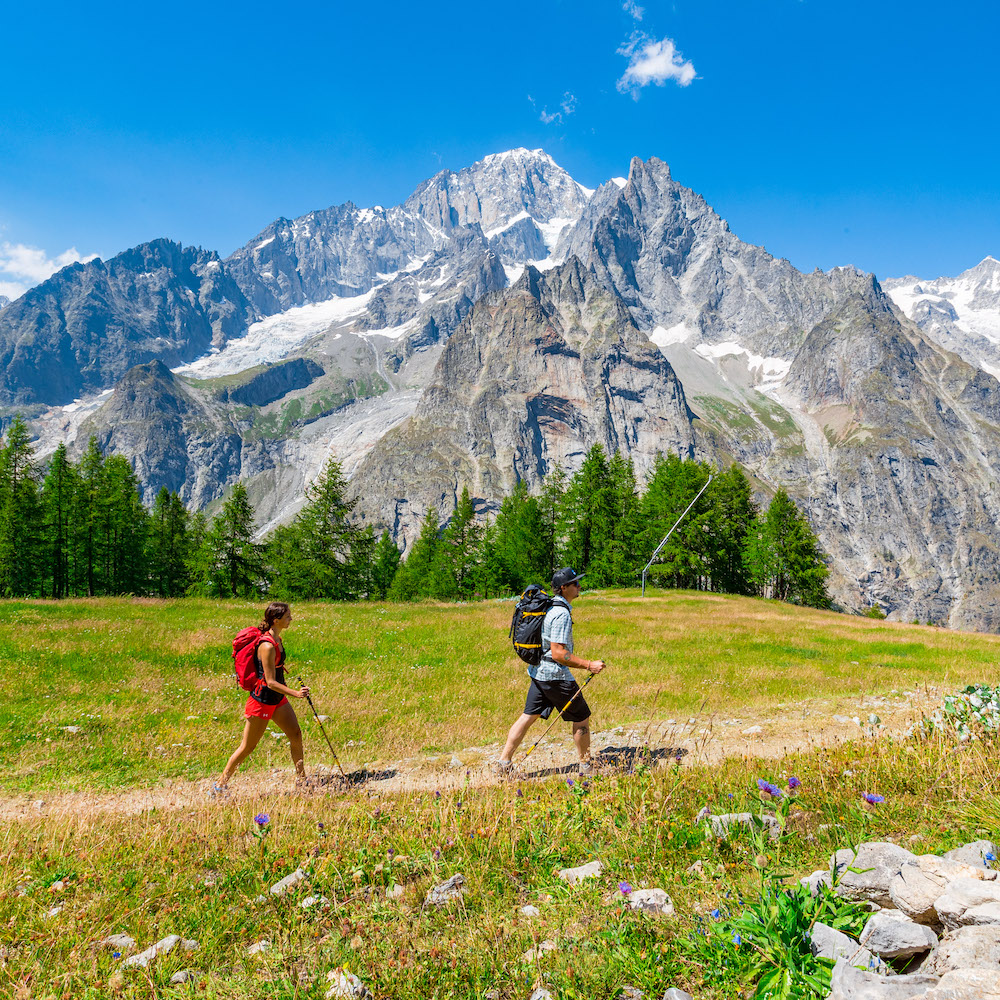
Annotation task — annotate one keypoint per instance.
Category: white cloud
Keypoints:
(633, 9)
(568, 103)
(652, 61)
(556, 117)
(22, 266)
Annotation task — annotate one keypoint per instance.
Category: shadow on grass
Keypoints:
(617, 760)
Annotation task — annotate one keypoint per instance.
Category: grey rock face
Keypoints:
(967, 984)
(4, 301)
(892, 934)
(967, 948)
(827, 942)
(447, 891)
(918, 884)
(969, 901)
(974, 853)
(652, 902)
(866, 876)
(83, 328)
(849, 983)
(533, 377)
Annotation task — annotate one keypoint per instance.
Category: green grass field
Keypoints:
(424, 678)
(149, 683)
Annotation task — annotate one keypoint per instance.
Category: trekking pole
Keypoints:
(670, 532)
(323, 731)
(579, 691)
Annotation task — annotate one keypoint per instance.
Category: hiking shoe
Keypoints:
(586, 768)
(219, 792)
(505, 769)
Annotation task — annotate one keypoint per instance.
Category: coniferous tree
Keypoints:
(232, 563)
(413, 578)
(124, 528)
(452, 571)
(91, 498)
(20, 522)
(550, 505)
(588, 515)
(58, 500)
(783, 557)
(385, 562)
(167, 545)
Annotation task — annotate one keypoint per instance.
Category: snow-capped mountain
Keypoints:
(961, 314)
(504, 318)
(4, 301)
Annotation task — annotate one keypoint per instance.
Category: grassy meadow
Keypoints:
(428, 678)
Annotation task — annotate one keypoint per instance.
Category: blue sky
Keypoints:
(831, 133)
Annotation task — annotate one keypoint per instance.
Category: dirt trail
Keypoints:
(704, 739)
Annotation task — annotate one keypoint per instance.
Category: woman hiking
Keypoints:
(269, 698)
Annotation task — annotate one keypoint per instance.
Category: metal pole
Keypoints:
(323, 731)
(670, 532)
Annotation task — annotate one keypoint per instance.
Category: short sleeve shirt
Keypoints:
(557, 627)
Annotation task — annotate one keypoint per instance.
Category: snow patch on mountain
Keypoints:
(275, 337)
(767, 370)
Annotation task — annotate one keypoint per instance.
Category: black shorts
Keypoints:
(544, 696)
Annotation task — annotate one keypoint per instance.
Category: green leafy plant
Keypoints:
(972, 712)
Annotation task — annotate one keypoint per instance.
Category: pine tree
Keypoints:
(588, 516)
(550, 512)
(167, 545)
(413, 578)
(59, 493)
(125, 526)
(783, 556)
(385, 562)
(236, 562)
(452, 571)
(90, 507)
(20, 521)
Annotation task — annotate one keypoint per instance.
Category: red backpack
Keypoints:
(245, 656)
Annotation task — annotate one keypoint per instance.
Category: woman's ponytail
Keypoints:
(274, 611)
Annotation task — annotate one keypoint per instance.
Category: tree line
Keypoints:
(81, 529)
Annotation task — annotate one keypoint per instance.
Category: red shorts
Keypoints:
(255, 710)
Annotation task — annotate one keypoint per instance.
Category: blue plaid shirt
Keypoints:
(557, 627)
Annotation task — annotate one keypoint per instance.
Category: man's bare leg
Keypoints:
(581, 737)
(516, 735)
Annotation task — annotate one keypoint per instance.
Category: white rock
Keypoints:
(345, 984)
(573, 875)
(395, 892)
(967, 948)
(891, 934)
(849, 983)
(541, 994)
(310, 901)
(653, 902)
(530, 911)
(535, 953)
(987, 913)
(815, 880)
(867, 874)
(184, 976)
(55, 911)
(323, 718)
(119, 942)
(919, 883)
(827, 942)
(967, 984)
(162, 947)
(58, 885)
(280, 888)
(259, 947)
(70, 729)
(965, 895)
(721, 824)
(444, 893)
(677, 994)
(752, 730)
(973, 854)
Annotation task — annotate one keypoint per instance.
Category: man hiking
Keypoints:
(552, 684)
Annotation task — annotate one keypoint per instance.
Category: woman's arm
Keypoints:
(268, 654)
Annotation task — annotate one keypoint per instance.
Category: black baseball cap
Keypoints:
(565, 576)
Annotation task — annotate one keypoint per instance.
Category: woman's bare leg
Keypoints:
(252, 732)
(286, 720)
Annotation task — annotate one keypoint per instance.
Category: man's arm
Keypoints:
(562, 655)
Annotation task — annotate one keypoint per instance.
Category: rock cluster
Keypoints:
(935, 929)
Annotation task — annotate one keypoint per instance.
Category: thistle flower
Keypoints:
(570, 782)
(262, 819)
(872, 799)
(625, 888)
(794, 783)
(768, 789)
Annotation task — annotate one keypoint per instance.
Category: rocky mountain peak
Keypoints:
(4, 301)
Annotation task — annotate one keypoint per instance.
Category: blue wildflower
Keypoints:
(625, 888)
(737, 940)
(715, 914)
(117, 954)
(262, 819)
(794, 783)
(768, 789)
(989, 856)
(872, 799)
(569, 781)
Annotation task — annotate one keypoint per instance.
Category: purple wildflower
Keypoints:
(437, 853)
(625, 888)
(437, 795)
(768, 789)
(794, 783)
(520, 793)
(569, 781)
(321, 826)
(872, 799)
(390, 852)
(262, 819)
